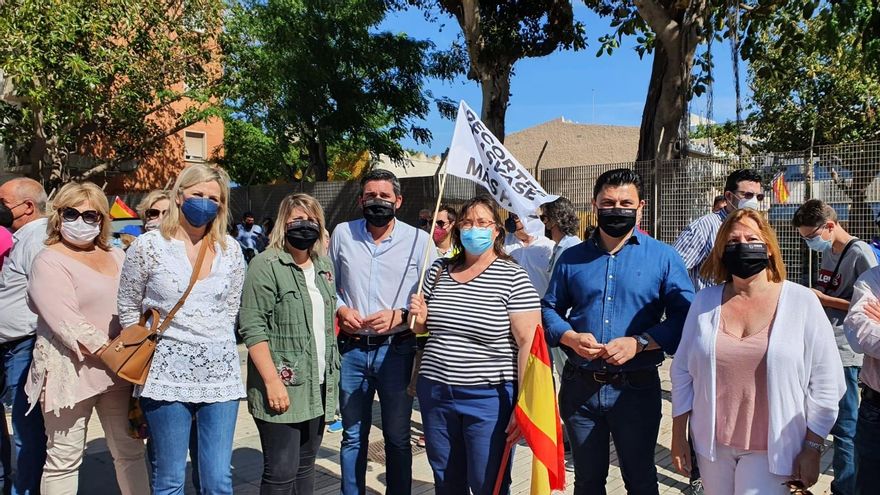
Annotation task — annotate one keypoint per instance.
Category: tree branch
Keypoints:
(666, 29)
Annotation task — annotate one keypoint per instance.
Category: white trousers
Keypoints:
(740, 472)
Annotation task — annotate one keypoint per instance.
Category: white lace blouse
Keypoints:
(196, 359)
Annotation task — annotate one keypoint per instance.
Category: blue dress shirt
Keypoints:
(617, 295)
(371, 277)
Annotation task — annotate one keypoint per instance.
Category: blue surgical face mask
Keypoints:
(477, 240)
(816, 243)
(199, 211)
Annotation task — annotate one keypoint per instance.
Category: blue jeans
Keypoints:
(628, 410)
(868, 449)
(844, 432)
(28, 431)
(385, 369)
(464, 434)
(170, 424)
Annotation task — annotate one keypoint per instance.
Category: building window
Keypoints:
(194, 146)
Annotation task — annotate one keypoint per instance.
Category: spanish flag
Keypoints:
(537, 415)
(780, 188)
(120, 210)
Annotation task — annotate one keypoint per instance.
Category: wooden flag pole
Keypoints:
(427, 253)
(502, 470)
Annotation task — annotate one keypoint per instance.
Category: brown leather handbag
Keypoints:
(129, 355)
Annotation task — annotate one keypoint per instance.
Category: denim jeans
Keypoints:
(385, 369)
(170, 424)
(868, 449)
(844, 432)
(289, 454)
(28, 431)
(464, 434)
(628, 411)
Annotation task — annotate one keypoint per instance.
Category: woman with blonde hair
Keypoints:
(195, 377)
(757, 376)
(72, 289)
(153, 208)
(293, 363)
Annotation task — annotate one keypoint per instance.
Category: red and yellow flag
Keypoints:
(537, 414)
(780, 188)
(120, 210)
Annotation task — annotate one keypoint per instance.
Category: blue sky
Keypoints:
(576, 85)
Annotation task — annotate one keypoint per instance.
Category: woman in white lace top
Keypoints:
(71, 288)
(195, 377)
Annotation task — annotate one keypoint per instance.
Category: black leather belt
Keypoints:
(870, 395)
(613, 377)
(375, 340)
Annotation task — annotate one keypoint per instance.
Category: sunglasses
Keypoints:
(90, 217)
(442, 224)
(750, 195)
(154, 213)
(796, 487)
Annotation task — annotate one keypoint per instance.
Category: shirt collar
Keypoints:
(368, 237)
(635, 238)
(723, 214)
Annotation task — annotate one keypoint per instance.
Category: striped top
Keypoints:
(695, 243)
(471, 342)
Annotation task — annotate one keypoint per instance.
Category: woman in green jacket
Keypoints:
(293, 363)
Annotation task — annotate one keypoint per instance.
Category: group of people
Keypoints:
(763, 369)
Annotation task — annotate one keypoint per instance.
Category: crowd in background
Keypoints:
(763, 370)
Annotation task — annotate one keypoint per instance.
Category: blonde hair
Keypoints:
(190, 176)
(71, 195)
(312, 208)
(151, 198)
(714, 268)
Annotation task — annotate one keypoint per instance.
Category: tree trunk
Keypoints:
(496, 94)
(659, 131)
(318, 159)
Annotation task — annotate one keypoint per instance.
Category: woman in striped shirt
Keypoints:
(481, 311)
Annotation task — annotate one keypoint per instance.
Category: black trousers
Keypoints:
(289, 453)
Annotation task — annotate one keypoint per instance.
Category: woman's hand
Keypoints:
(806, 466)
(418, 309)
(681, 453)
(276, 395)
(512, 430)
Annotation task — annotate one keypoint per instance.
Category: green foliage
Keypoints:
(318, 75)
(110, 79)
(250, 155)
(725, 137)
(806, 78)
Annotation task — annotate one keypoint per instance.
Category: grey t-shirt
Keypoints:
(858, 259)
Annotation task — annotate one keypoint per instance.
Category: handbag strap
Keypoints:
(197, 268)
(837, 267)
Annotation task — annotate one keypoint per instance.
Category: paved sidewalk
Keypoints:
(97, 475)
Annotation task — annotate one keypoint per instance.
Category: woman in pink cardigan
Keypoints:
(756, 377)
(72, 289)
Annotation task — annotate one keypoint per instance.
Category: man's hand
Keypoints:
(383, 321)
(620, 350)
(350, 320)
(584, 344)
(806, 467)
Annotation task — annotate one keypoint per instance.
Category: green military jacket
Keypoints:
(275, 307)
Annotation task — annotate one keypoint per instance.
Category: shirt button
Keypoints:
(609, 298)
(610, 276)
(606, 321)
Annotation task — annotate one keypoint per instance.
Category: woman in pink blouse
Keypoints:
(72, 288)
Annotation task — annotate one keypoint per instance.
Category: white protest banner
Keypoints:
(477, 155)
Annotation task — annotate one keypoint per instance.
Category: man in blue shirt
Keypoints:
(377, 261)
(605, 307)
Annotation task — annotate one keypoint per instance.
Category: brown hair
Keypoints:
(71, 195)
(489, 203)
(291, 202)
(714, 269)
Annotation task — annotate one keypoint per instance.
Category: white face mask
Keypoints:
(748, 203)
(79, 233)
(151, 225)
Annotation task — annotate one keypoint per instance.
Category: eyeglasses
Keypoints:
(469, 224)
(90, 217)
(796, 487)
(749, 195)
(154, 213)
(813, 234)
(442, 224)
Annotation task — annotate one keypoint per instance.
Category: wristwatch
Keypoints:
(643, 342)
(404, 315)
(817, 446)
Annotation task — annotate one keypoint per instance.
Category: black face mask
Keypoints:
(548, 233)
(617, 222)
(510, 225)
(744, 260)
(302, 234)
(378, 212)
(6, 217)
(423, 222)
